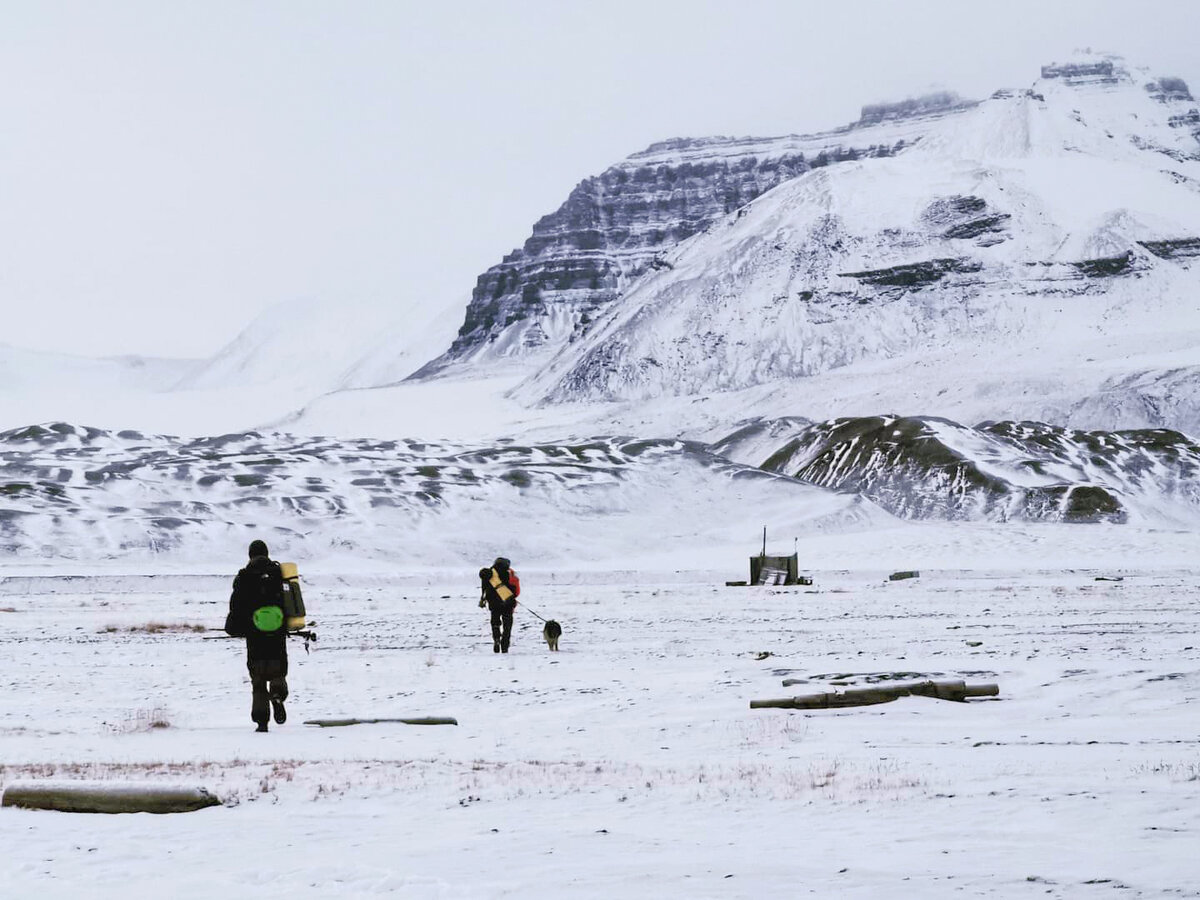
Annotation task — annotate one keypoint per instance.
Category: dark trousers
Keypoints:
(268, 681)
(501, 618)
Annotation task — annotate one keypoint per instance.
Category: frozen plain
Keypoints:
(630, 763)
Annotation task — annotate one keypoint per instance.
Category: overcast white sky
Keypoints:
(169, 170)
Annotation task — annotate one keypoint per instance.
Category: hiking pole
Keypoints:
(309, 636)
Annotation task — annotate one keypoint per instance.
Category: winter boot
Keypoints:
(280, 712)
(262, 726)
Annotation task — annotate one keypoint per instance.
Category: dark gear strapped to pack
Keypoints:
(499, 589)
(256, 613)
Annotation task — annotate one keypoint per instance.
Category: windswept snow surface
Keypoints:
(630, 763)
(37, 386)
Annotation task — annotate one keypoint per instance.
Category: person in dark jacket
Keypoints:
(500, 588)
(252, 611)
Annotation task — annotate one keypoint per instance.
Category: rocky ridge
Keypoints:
(925, 467)
(618, 225)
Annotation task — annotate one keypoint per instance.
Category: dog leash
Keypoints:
(519, 603)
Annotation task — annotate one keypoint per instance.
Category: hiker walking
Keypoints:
(499, 589)
(256, 613)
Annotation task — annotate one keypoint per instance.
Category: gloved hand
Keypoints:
(482, 603)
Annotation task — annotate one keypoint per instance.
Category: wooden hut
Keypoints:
(774, 569)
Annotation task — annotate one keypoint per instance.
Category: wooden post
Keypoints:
(957, 691)
(104, 797)
(423, 720)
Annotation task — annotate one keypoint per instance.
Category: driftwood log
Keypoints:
(957, 691)
(102, 797)
(901, 576)
(422, 720)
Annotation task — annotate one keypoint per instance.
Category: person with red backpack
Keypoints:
(256, 613)
(499, 589)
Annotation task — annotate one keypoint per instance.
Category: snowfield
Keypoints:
(630, 762)
(856, 358)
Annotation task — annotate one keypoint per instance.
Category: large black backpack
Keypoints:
(258, 601)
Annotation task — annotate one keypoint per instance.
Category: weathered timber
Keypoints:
(102, 797)
(420, 720)
(957, 691)
(900, 576)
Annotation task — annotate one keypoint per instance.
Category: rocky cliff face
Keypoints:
(1041, 230)
(616, 226)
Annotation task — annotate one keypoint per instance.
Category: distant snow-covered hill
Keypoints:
(926, 467)
(35, 386)
(317, 346)
(85, 493)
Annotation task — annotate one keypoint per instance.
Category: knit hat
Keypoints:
(257, 548)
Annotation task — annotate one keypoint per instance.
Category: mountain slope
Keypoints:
(615, 226)
(1063, 218)
(315, 346)
(923, 467)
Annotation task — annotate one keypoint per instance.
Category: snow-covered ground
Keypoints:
(630, 762)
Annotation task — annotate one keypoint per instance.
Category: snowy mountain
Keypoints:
(85, 493)
(616, 226)
(1041, 230)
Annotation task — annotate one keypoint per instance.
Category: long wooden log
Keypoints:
(105, 797)
(957, 691)
(421, 720)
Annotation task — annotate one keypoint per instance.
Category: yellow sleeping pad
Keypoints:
(503, 591)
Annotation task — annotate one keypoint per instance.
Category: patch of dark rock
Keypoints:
(1105, 267)
(1175, 248)
(977, 227)
(914, 275)
(30, 433)
(208, 480)
(518, 478)
(250, 480)
(1091, 503)
(945, 210)
(1101, 71)
(1164, 89)
(1187, 119)
(936, 102)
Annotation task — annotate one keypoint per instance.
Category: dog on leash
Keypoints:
(552, 631)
